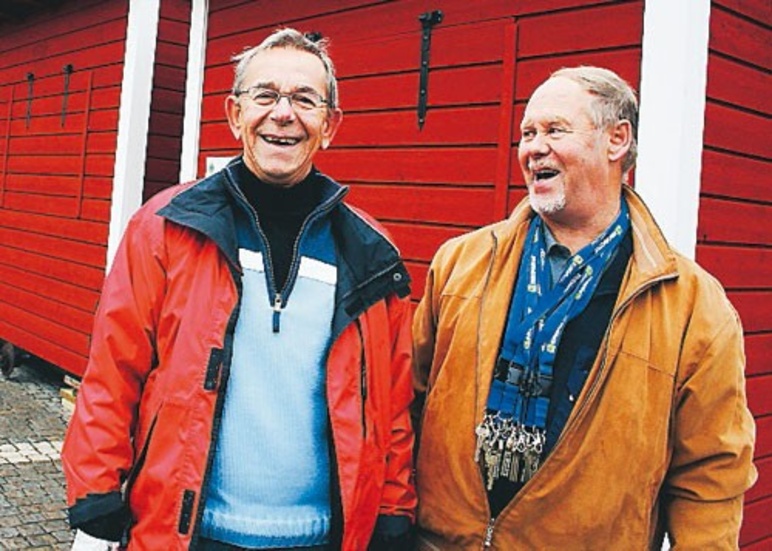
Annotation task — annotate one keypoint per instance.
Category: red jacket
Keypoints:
(143, 433)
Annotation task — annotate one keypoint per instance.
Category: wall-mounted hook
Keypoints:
(67, 70)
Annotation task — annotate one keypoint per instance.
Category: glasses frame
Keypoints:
(298, 107)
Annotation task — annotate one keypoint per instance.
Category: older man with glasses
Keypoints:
(249, 378)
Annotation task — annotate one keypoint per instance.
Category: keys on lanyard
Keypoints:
(508, 449)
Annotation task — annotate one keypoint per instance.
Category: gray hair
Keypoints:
(615, 101)
(312, 43)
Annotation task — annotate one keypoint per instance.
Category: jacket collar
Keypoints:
(652, 256)
(652, 260)
(206, 206)
(369, 264)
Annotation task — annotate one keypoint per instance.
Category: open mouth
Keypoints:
(284, 141)
(544, 174)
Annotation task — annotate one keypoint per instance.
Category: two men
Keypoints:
(580, 383)
(249, 379)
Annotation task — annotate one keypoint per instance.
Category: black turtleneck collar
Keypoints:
(281, 212)
(271, 201)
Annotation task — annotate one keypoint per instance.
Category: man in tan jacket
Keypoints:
(580, 384)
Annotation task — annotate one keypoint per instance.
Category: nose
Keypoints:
(537, 146)
(283, 110)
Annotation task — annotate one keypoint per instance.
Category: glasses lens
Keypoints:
(264, 96)
(306, 100)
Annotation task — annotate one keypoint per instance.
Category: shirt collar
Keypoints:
(553, 246)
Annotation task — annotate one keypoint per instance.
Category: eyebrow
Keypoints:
(555, 120)
(273, 86)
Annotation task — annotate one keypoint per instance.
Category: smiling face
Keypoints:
(280, 142)
(565, 158)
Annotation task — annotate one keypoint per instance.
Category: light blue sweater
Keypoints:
(270, 479)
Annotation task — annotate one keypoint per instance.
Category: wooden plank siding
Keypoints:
(734, 234)
(56, 177)
(460, 170)
(164, 140)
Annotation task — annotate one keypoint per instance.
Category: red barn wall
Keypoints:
(735, 216)
(460, 171)
(164, 140)
(56, 173)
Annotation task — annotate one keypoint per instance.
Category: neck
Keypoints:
(575, 235)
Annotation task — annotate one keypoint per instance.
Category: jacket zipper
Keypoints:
(276, 312)
(280, 296)
(363, 377)
(489, 533)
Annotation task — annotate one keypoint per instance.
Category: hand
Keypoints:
(84, 542)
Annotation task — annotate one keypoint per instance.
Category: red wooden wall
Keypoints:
(460, 171)
(735, 217)
(164, 141)
(56, 173)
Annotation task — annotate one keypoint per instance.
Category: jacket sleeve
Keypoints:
(98, 450)
(399, 497)
(424, 335)
(713, 439)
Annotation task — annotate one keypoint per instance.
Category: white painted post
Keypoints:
(133, 118)
(194, 89)
(672, 97)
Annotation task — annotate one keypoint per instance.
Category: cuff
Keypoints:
(102, 516)
(392, 533)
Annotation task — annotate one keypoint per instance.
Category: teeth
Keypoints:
(545, 173)
(281, 141)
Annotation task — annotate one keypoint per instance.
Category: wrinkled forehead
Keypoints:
(559, 100)
(286, 67)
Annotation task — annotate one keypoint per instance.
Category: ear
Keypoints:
(233, 112)
(331, 125)
(620, 140)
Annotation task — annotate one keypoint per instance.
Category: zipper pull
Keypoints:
(276, 312)
(489, 533)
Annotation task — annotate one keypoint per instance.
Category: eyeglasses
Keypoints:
(306, 100)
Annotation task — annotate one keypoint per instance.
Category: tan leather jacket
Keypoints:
(660, 439)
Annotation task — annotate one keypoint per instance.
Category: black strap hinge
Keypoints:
(67, 70)
(428, 21)
(30, 94)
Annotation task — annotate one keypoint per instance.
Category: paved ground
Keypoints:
(32, 423)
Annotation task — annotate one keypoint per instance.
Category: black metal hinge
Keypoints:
(428, 21)
(67, 69)
(30, 93)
